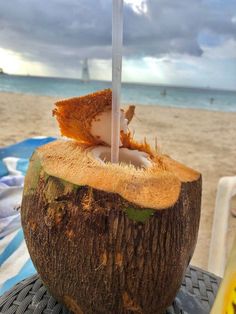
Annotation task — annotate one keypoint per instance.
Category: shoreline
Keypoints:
(199, 138)
(170, 107)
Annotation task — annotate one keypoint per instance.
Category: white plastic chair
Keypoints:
(217, 257)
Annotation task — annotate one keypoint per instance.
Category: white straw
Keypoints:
(117, 39)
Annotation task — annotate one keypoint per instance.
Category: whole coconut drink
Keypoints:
(108, 238)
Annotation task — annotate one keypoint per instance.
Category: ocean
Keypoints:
(181, 97)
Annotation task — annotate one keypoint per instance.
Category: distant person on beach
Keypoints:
(212, 99)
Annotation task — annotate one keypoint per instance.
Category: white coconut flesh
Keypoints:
(126, 156)
(101, 126)
(101, 129)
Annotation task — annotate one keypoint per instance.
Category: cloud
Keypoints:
(59, 33)
(60, 28)
(227, 50)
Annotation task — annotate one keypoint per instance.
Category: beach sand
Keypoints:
(203, 140)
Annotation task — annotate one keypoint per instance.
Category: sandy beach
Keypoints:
(204, 140)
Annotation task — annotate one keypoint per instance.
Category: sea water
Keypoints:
(182, 97)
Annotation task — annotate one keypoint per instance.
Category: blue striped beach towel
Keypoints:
(15, 263)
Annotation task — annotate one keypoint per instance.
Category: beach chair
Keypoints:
(217, 257)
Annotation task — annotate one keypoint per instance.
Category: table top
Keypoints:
(30, 296)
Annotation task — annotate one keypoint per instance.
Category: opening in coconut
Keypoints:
(126, 156)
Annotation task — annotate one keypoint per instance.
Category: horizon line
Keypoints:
(127, 82)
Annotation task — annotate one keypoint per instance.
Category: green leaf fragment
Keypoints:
(32, 175)
(139, 215)
(76, 187)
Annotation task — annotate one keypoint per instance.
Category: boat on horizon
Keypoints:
(85, 71)
(2, 72)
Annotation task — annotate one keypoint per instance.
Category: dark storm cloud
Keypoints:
(64, 31)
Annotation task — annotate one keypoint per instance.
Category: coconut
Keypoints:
(108, 238)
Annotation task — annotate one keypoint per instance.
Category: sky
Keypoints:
(173, 42)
